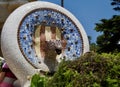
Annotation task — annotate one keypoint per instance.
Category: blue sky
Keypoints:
(88, 12)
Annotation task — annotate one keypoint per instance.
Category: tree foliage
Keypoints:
(116, 4)
(109, 40)
(93, 47)
(90, 70)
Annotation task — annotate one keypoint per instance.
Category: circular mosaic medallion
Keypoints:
(55, 25)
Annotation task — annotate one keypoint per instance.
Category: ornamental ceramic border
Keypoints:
(49, 18)
(20, 29)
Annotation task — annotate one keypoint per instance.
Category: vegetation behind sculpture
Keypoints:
(91, 70)
(109, 40)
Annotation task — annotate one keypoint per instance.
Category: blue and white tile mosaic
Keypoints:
(70, 32)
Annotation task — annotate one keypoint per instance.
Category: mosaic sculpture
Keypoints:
(38, 35)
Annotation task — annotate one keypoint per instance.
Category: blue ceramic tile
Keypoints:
(70, 33)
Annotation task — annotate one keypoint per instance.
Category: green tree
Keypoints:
(93, 47)
(116, 4)
(110, 38)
